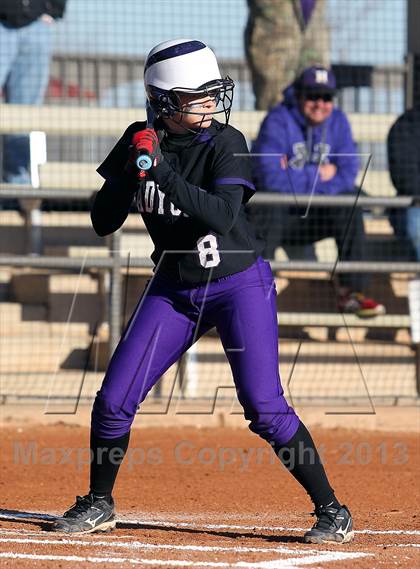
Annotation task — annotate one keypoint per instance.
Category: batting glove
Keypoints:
(145, 152)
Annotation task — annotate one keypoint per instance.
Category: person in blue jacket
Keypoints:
(26, 45)
(305, 147)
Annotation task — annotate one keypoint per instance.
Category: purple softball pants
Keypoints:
(165, 323)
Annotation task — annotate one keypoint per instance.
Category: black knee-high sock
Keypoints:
(301, 458)
(107, 456)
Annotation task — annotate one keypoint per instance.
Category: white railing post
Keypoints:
(31, 208)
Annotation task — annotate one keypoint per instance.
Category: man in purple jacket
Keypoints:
(305, 146)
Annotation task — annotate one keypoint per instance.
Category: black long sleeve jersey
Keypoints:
(19, 13)
(192, 203)
(404, 153)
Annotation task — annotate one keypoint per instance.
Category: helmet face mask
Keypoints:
(168, 104)
(172, 72)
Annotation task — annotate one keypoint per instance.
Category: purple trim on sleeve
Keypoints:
(234, 182)
(206, 137)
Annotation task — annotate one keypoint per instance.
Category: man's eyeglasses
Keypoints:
(326, 97)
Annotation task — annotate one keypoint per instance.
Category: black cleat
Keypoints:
(334, 525)
(87, 515)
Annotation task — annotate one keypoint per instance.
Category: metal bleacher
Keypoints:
(80, 179)
(73, 121)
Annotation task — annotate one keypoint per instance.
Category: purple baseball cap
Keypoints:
(316, 79)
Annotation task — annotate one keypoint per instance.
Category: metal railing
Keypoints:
(114, 263)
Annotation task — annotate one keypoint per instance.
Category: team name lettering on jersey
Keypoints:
(149, 199)
(302, 156)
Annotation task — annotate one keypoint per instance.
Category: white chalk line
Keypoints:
(398, 545)
(305, 557)
(103, 560)
(305, 553)
(143, 545)
(195, 525)
(275, 564)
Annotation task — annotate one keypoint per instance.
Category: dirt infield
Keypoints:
(189, 497)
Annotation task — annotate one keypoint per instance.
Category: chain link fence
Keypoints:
(66, 294)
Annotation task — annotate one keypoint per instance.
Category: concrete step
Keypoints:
(343, 320)
(75, 251)
(207, 375)
(69, 219)
(29, 363)
(95, 121)
(46, 354)
(135, 244)
(69, 175)
(35, 287)
(31, 320)
(15, 313)
(66, 384)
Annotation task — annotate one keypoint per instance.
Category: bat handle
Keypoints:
(144, 162)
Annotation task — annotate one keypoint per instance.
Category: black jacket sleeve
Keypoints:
(55, 8)
(112, 203)
(115, 162)
(217, 206)
(404, 154)
(217, 210)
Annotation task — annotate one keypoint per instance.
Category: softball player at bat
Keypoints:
(208, 273)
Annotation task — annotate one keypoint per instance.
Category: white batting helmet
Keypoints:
(184, 66)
